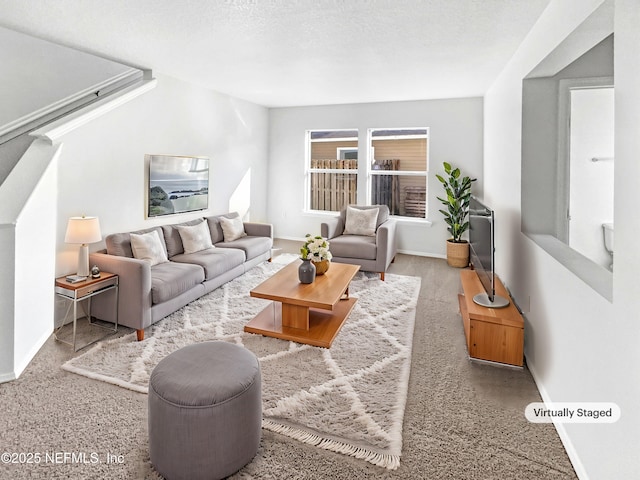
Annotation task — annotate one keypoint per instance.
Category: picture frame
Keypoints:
(176, 184)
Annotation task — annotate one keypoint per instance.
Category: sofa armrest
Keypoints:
(258, 229)
(386, 242)
(331, 228)
(134, 302)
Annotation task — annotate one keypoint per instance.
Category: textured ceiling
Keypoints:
(296, 52)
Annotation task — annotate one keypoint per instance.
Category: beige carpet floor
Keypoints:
(462, 420)
(349, 398)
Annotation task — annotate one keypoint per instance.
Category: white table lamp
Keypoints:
(83, 230)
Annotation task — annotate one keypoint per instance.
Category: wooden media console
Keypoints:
(493, 334)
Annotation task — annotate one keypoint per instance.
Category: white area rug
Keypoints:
(348, 399)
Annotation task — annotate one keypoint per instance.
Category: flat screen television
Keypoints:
(481, 251)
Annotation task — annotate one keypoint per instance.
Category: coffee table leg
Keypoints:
(295, 316)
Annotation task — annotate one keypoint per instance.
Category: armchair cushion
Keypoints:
(354, 246)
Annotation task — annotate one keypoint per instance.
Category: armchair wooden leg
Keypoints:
(382, 276)
(140, 334)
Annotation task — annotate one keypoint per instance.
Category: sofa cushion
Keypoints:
(172, 236)
(195, 237)
(149, 247)
(170, 279)
(214, 261)
(251, 246)
(120, 243)
(354, 246)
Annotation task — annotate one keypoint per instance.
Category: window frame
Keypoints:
(309, 170)
(370, 173)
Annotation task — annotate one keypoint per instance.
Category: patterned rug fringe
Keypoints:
(388, 461)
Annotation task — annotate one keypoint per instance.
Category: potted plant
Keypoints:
(316, 249)
(458, 190)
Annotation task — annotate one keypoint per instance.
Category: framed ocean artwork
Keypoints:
(176, 184)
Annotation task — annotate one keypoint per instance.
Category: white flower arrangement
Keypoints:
(315, 248)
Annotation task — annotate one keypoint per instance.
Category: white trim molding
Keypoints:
(55, 130)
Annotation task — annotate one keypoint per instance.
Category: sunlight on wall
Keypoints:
(240, 199)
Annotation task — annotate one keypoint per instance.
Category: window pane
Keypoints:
(399, 150)
(411, 153)
(332, 191)
(405, 195)
(334, 151)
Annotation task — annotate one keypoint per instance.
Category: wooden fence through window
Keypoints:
(332, 191)
(385, 189)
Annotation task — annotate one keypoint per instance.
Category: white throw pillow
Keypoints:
(232, 228)
(147, 246)
(361, 221)
(195, 237)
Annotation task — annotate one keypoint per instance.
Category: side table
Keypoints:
(85, 290)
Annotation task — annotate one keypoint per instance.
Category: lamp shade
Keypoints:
(83, 230)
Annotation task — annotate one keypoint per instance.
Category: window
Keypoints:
(398, 170)
(332, 169)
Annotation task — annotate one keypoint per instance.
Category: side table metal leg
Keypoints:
(75, 316)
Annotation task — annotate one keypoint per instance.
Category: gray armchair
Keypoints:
(373, 253)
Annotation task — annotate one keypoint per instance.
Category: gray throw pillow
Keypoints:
(147, 246)
(232, 228)
(195, 237)
(361, 221)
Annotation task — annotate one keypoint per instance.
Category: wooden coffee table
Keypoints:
(304, 313)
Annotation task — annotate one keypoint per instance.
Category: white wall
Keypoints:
(35, 267)
(591, 183)
(27, 260)
(102, 170)
(579, 346)
(455, 136)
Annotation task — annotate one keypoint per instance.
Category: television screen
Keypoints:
(481, 243)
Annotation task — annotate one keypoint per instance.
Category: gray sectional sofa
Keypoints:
(148, 293)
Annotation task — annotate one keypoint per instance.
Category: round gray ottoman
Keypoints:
(205, 411)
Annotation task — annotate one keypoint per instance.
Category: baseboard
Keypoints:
(403, 251)
(294, 239)
(24, 362)
(421, 254)
(7, 377)
(574, 458)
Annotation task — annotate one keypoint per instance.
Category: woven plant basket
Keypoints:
(458, 254)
